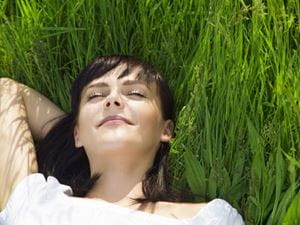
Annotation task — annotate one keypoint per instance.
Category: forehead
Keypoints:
(122, 74)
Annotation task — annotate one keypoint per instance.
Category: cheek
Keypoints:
(149, 117)
(87, 117)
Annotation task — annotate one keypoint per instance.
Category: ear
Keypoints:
(78, 144)
(167, 131)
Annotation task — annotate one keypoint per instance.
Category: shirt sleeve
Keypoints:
(218, 212)
(20, 198)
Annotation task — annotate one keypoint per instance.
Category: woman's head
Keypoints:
(123, 79)
(118, 109)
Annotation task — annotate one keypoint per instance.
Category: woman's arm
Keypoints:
(41, 112)
(23, 112)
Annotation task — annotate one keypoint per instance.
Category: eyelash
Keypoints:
(99, 94)
(137, 93)
(94, 95)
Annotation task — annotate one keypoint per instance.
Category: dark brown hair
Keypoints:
(57, 155)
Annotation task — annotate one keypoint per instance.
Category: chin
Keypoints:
(117, 144)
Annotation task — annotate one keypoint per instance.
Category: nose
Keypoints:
(114, 100)
(116, 103)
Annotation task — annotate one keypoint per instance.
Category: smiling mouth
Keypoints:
(114, 120)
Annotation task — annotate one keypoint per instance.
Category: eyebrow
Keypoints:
(125, 83)
(98, 84)
(132, 82)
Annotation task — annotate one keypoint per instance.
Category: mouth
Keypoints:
(115, 119)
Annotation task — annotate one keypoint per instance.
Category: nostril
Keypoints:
(107, 104)
(117, 103)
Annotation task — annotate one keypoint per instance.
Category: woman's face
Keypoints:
(120, 115)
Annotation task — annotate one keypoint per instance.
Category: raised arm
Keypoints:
(23, 113)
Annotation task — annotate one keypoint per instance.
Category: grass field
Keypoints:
(234, 67)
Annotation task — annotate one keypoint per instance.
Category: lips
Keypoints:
(115, 117)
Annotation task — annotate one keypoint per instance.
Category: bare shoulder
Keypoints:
(181, 210)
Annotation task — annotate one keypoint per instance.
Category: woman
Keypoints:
(106, 161)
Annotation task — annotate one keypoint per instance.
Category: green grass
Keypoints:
(234, 67)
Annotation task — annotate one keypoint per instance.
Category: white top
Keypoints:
(37, 201)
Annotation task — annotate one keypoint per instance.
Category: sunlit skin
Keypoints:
(121, 151)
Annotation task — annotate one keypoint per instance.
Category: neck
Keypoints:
(119, 183)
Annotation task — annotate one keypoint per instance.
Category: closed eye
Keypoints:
(95, 95)
(136, 93)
